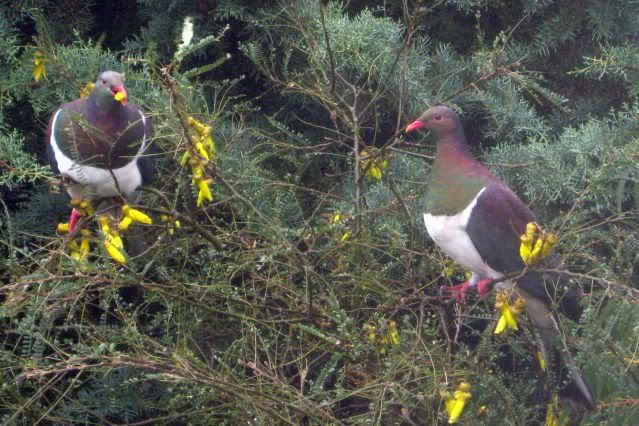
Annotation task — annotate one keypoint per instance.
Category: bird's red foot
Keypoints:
(483, 287)
(73, 219)
(459, 291)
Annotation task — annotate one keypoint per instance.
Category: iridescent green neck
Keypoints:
(104, 101)
(456, 177)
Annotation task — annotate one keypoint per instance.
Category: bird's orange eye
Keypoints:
(103, 81)
(438, 117)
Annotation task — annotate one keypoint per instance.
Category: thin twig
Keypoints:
(331, 60)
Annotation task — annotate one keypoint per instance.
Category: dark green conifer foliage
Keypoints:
(289, 320)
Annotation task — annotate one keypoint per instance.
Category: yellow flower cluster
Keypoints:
(393, 334)
(451, 268)
(382, 340)
(83, 206)
(130, 215)
(112, 241)
(542, 361)
(337, 219)
(206, 151)
(552, 413)
(86, 90)
(373, 167)
(455, 403)
(509, 314)
(78, 250)
(536, 244)
(39, 67)
(172, 223)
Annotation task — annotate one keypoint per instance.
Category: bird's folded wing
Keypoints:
(495, 226)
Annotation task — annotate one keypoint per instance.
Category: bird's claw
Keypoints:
(80, 208)
(459, 291)
(482, 287)
(73, 219)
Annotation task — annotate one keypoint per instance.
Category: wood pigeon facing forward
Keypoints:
(477, 220)
(100, 144)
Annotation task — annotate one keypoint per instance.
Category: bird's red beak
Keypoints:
(120, 94)
(414, 126)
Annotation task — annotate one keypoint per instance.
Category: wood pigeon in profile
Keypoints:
(100, 144)
(478, 221)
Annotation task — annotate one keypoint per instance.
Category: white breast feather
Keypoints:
(449, 233)
(100, 182)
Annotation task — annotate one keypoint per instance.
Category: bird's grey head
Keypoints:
(439, 119)
(109, 87)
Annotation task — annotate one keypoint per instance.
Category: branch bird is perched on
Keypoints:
(477, 220)
(98, 144)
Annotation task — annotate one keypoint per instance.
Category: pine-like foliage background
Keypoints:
(259, 309)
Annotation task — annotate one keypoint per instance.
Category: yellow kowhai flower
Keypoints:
(450, 268)
(549, 242)
(197, 167)
(136, 215)
(393, 334)
(62, 228)
(204, 191)
(104, 222)
(86, 90)
(125, 223)
(336, 218)
(536, 244)
(115, 252)
(74, 249)
(110, 235)
(115, 239)
(527, 242)
(39, 67)
(171, 221)
(541, 360)
(83, 206)
(81, 251)
(201, 128)
(455, 404)
(338, 222)
(374, 167)
(203, 183)
(553, 413)
(78, 251)
(509, 314)
(370, 331)
(112, 241)
(85, 245)
(374, 173)
(205, 148)
(199, 147)
(382, 344)
(204, 144)
(132, 215)
(210, 145)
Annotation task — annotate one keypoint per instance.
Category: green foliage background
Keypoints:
(271, 327)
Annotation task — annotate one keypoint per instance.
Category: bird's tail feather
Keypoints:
(556, 354)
